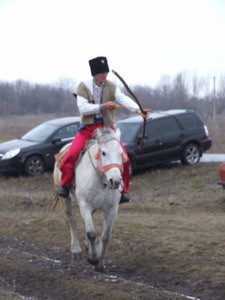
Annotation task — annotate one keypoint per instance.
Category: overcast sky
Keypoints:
(47, 40)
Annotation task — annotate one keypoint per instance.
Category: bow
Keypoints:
(138, 103)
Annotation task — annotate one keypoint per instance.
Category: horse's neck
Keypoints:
(93, 148)
(88, 156)
(86, 170)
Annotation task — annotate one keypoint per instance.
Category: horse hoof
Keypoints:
(76, 256)
(99, 268)
(93, 262)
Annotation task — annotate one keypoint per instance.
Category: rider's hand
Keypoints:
(145, 112)
(108, 105)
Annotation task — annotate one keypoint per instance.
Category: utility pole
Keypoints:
(214, 98)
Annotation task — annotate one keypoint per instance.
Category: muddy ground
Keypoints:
(50, 273)
(36, 263)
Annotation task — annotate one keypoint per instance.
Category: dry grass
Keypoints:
(12, 127)
(6, 295)
(174, 224)
(217, 133)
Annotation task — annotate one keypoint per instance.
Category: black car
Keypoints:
(34, 151)
(170, 135)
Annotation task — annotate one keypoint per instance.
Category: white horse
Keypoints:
(98, 185)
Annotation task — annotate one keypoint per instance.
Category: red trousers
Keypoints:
(78, 143)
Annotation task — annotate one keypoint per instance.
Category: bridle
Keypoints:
(103, 169)
(100, 170)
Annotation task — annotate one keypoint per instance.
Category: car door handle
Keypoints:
(157, 141)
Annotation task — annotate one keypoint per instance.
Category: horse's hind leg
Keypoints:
(75, 244)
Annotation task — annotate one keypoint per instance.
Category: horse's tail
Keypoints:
(54, 201)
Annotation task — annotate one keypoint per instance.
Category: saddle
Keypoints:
(59, 156)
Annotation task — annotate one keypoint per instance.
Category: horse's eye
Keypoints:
(103, 153)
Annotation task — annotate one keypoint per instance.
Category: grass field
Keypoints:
(174, 225)
(170, 236)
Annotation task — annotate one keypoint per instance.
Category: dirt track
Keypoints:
(49, 273)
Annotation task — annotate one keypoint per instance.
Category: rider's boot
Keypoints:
(63, 191)
(125, 197)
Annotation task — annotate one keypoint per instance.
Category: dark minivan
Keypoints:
(170, 135)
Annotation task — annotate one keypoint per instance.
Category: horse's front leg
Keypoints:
(105, 237)
(91, 235)
(75, 244)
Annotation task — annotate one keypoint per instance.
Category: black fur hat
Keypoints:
(98, 65)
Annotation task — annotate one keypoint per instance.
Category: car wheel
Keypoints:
(191, 154)
(34, 165)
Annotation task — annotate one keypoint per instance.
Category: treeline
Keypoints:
(21, 97)
(206, 96)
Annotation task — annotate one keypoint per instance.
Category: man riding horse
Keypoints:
(96, 101)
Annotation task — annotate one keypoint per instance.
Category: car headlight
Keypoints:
(11, 153)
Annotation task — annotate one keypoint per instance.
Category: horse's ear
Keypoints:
(97, 154)
(118, 134)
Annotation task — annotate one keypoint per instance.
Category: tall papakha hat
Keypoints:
(98, 65)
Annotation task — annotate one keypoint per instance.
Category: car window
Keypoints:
(152, 129)
(128, 131)
(39, 133)
(168, 126)
(66, 132)
(162, 127)
(188, 121)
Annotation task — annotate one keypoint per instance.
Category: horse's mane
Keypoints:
(104, 134)
(101, 135)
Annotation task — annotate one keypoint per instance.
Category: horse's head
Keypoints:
(110, 156)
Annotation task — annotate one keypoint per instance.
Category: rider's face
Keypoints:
(100, 78)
